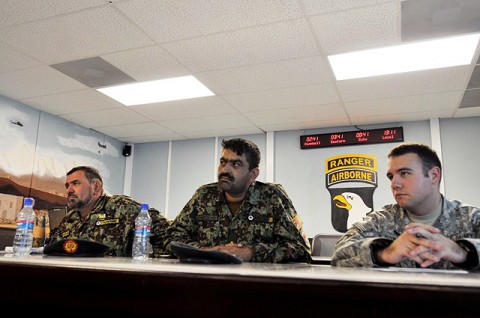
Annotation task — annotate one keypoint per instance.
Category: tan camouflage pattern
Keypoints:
(266, 222)
(112, 222)
(459, 222)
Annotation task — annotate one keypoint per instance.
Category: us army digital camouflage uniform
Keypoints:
(266, 222)
(112, 222)
(459, 222)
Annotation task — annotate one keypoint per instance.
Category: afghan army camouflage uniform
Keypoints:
(459, 222)
(266, 222)
(112, 222)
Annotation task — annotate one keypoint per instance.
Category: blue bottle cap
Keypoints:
(144, 206)
(28, 202)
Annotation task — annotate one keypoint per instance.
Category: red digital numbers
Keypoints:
(360, 137)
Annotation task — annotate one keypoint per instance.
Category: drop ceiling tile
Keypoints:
(73, 102)
(105, 118)
(198, 124)
(152, 138)
(284, 98)
(358, 28)
(314, 7)
(290, 73)
(233, 131)
(21, 11)
(471, 98)
(390, 118)
(423, 19)
(134, 130)
(298, 114)
(36, 81)
(311, 124)
(404, 104)
(474, 81)
(74, 36)
(174, 20)
(467, 112)
(11, 60)
(195, 107)
(411, 83)
(267, 43)
(147, 63)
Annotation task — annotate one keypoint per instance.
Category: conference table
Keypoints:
(165, 287)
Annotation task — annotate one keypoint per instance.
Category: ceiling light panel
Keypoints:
(163, 90)
(426, 55)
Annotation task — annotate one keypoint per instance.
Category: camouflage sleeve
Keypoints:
(160, 225)
(54, 235)
(291, 243)
(470, 244)
(354, 249)
(181, 228)
(127, 210)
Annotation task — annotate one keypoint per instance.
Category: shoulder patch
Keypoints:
(297, 222)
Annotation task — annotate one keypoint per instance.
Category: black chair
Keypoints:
(6, 236)
(323, 244)
(55, 216)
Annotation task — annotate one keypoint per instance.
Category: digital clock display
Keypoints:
(359, 137)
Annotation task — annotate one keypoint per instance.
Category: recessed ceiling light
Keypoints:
(426, 55)
(157, 91)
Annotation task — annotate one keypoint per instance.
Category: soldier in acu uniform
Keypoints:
(423, 229)
(253, 220)
(96, 216)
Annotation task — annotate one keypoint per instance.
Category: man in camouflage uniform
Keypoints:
(253, 220)
(96, 216)
(423, 229)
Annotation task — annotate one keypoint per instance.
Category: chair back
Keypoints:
(55, 216)
(323, 244)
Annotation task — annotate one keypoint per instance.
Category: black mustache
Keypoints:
(228, 175)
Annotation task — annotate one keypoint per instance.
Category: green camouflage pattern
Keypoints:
(112, 222)
(459, 222)
(266, 222)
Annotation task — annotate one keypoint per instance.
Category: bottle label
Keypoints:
(25, 225)
(142, 230)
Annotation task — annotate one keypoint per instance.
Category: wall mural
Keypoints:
(37, 151)
(351, 180)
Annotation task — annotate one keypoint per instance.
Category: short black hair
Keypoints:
(90, 172)
(242, 146)
(427, 155)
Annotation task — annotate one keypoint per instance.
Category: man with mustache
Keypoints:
(95, 216)
(423, 229)
(253, 220)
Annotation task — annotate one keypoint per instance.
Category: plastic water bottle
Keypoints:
(23, 240)
(141, 240)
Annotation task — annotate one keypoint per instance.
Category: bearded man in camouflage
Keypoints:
(423, 229)
(253, 220)
(95, 216)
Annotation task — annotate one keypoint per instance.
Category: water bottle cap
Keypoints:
(28, 201)
(144, 206)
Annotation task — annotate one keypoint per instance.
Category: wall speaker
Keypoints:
(127, 150)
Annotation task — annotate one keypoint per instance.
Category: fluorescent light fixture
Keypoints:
(417, 56)
(157, 91)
